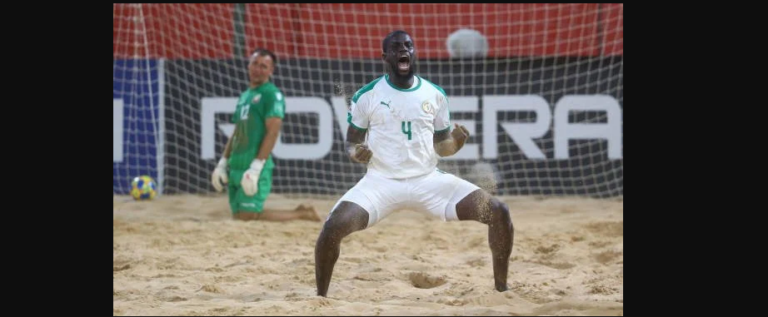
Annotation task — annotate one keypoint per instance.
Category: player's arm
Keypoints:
(448, 143)
(228, 147)
(270, 138)
(359, 112)
(445, 141)
(273, 123)
(358, 151)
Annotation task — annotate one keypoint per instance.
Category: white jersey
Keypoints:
(400, 124)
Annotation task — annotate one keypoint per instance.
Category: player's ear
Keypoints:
(383, 56)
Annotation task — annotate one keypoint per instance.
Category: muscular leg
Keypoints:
(480, 206)
(348, 217)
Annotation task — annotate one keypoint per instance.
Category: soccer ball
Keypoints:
(467, 43)
(143, 188)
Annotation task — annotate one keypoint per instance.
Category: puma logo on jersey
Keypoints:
(386, 104)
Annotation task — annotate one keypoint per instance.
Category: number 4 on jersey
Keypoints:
(408, 132)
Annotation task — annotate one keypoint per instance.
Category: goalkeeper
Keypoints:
(258, 118)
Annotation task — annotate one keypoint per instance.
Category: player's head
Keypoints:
(261, 65)
(399, 52)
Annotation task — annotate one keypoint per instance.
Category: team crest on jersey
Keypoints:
(256, 98)
(428, 107)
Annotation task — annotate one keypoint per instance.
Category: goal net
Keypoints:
(539, 86)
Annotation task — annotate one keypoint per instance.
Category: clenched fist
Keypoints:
(360, 153)
(460, 134)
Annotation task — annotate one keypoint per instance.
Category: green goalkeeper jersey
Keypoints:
(253, 108)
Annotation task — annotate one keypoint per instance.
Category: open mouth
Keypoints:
(404, 63)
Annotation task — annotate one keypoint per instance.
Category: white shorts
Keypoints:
(436, 193)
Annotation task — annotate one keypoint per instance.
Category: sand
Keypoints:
(184, 255)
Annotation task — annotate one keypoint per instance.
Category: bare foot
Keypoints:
(308, 212)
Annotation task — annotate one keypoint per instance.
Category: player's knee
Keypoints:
(348, 216)
(342, 224)
(330, 236)
(334, 224)
(501, 212)
(332, 227)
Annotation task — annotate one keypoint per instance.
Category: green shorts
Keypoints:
(238, 201)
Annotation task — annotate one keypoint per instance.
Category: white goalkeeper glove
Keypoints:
(251, 177)
(219, 175)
